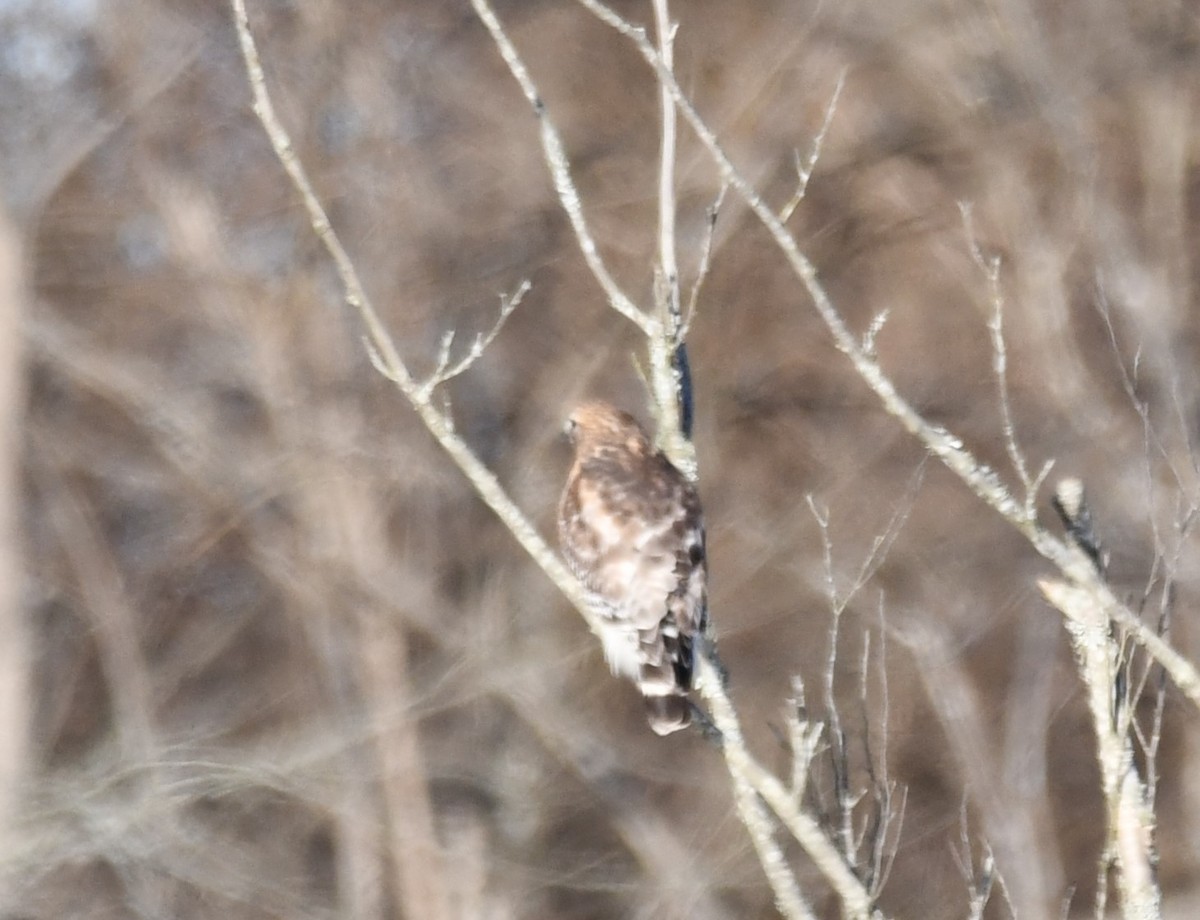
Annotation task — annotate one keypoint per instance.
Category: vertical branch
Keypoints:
(788, 897)
(1129, 841)
(15, 655)
(1129, 846)
(415, 850)
(356, 534)
(875, 796)
(666, 355)
(839, 758)
(108, 607)
(856, 900)
(990, 267)
(357, 842)
(666, 172)
(668, 358)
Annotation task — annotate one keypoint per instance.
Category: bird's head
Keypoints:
(597, 424)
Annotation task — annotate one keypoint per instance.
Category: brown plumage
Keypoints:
(631, 529)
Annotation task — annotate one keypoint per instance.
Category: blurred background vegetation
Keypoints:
(270, 657)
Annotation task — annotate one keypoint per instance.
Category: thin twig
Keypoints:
(979, 883)
(884, 858)
(804, 168)
(1150, 746)
(877, 821)
(880, 546)
(1129, 383)
(710, 228)
(838, 756)
(804, 738)
(442, 373)
(856, 900)
(990, 267)
(666, 30)
(868, 339)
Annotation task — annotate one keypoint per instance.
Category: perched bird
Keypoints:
(631, 529)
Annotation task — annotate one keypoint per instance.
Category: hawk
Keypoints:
(631, 529)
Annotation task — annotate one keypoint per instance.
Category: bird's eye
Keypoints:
(570, 426)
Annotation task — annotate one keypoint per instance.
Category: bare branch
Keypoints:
(1130, 823)
(748, 778)
(560, 173)
(884, 856)
(1150, 745)
(856, 900)
(705, 258)
(666, 173)
(876, 796)
(804, 738)
(1129, 382)
(880, 546)
(979, 882)
(804, 169)
(876, 829)
(442, 373)
(839, 757)
(990, 267)
(1129, 846)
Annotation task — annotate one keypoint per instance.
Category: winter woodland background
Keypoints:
(268, 655)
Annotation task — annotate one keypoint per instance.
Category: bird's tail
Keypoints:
(667, 711)
(665, 677)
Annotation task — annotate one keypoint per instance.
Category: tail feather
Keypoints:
(669, 713)
(665, 676)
